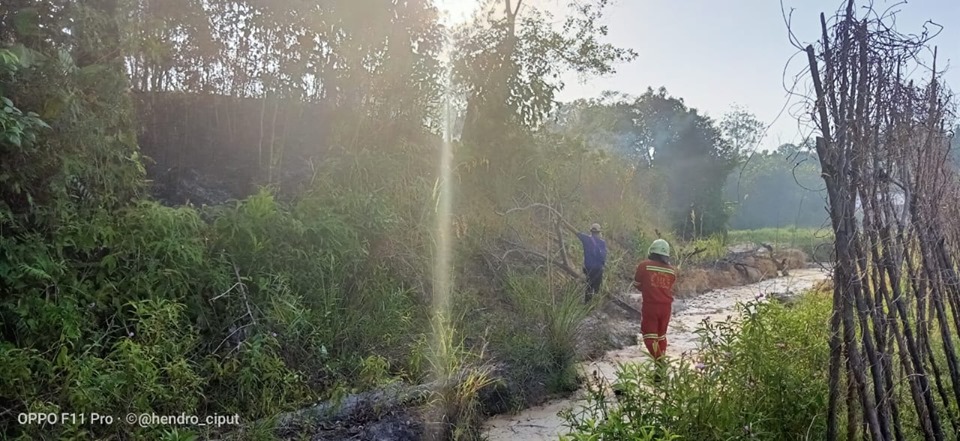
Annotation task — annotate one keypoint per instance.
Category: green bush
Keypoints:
(153, 309)
(765, 378)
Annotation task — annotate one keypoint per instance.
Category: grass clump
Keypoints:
(453, 407)
(533, 333)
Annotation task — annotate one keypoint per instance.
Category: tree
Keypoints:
(659, 132)
(690, 151)
(377, 59)
(91, 158)
(609, 122)
(771, 189)
(508, 64)
(741, 129)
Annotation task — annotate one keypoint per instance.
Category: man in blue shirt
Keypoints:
(594, 258)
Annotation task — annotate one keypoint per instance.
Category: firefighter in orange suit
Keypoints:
(655, 278)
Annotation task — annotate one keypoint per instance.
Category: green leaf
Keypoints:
(63, 357)
(8, 59)
(15, 139)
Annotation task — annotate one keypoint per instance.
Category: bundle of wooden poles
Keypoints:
(883, 139)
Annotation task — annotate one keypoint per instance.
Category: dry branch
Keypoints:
(520, 249)
(516, 248)
(563, 263)
(532, 206)
(695, 252)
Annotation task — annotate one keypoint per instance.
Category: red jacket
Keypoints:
(655, 281)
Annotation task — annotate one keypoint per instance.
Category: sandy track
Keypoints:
(543, 423)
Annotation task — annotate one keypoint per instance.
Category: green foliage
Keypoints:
(684, 151)
(738, 387)
(161, 311)
(17, 129)
(326, 309)
(741, 129)
(18, 132)
(101, 319)
(114, 303)
(89, 160)
(699, 251)
(508, 64)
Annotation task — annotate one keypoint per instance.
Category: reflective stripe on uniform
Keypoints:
(651, 336)
(660, 270)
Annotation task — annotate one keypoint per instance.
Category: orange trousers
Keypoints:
(654, 318)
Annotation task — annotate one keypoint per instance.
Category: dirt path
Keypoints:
(543, 423)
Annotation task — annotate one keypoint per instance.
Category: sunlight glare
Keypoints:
(457, 11)
(443, 353)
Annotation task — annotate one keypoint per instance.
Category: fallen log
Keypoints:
(737, 259)
(626, 307)
(780, 264)
(365, 406)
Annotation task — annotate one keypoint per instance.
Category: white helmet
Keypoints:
(660, 247)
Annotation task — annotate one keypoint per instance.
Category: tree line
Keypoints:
(383, 75)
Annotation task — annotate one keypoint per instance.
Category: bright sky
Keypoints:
(715, 54)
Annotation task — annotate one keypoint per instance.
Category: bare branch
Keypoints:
(540, 256)
(531, 206)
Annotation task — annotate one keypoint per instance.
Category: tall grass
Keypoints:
(533, 333)
(556, 317)
(460, 374)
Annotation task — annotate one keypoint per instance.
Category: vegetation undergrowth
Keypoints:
(453, 408)
(763, 376)
(273, 300)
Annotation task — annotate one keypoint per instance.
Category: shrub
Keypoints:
(153, 309)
